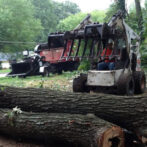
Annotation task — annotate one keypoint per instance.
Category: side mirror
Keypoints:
(25, 53)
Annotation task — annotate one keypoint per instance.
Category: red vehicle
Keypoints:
(53, 57)
(51, 53)
(46, 59)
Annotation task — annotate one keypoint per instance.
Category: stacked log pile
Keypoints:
(88, 120)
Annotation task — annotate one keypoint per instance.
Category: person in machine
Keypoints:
(107, 64)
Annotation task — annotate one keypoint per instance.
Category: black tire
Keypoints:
(126, 85)
(140, 82)
(46, 73)
(75, 66)
(22, 76)
(79, 84)
(134, 62)
(59, 71)
(53, 69)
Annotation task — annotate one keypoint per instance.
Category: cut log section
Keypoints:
(82, 130)
(129, 112)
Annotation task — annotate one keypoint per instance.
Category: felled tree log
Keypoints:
(126, 111)
(82, 130)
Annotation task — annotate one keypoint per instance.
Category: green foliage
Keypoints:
(72, 21)
(98, 16)
(144, 60)
(44, 11)
(17, 24)
(131, 20)
(84, 65)
(114, 7)
(121, 6)
(41, 83)
(111, 11)
(65, 9)
(2, 71)
(2, 88)
(144, 43)
(10, 116)
(61, 82)
(50, 13)
(30, 21)
(144, 11)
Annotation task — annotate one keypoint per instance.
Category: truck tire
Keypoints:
(79, 83)
(59, 71)
(140, 82)
(46, 73)
(75, 66)
(133, 62)
(126, 85)
(22, 76)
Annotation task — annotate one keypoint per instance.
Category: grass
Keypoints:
(145, 69)
(5, 71)
(61, 82)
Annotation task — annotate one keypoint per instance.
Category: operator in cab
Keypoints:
(106, 63)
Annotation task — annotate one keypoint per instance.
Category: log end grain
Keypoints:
(112, 137)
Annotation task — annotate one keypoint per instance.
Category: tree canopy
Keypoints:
(17, 24)
(26, 22)
(72, 21)
(50, 13)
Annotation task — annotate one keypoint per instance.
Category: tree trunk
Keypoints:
(80, 130)
(121, 6)
(129, 112)
(139, 16)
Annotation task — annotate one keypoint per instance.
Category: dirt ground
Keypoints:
(7, 142)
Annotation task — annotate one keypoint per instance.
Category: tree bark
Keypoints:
(82, 130)
(129, 112)
(121, 6)
(139, 16)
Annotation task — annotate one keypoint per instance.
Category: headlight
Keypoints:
(40, 63)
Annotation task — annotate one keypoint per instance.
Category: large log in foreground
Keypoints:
(126, 111)
(84, 130)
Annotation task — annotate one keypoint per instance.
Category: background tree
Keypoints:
(50, 13)
(121, 5)
(26, 22)
(144, 36)
(111, 11)
(114, 7)
(139, 17)
(44, 11)
(72, 21)
(65, 9)
(17, 25)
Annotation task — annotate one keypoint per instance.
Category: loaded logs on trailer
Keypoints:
(125, 111)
